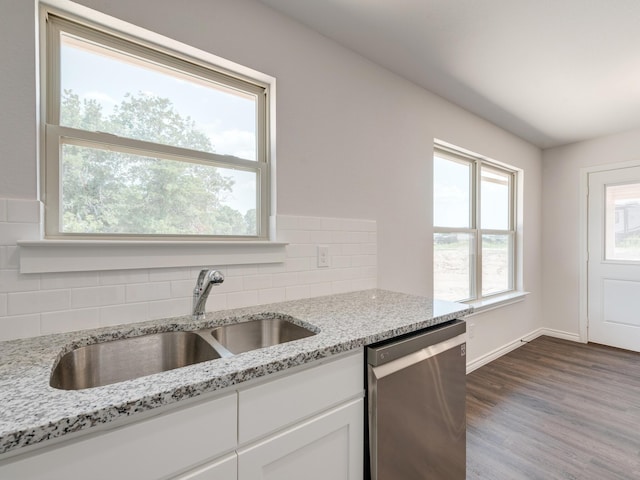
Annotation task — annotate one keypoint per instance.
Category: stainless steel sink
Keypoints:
(118, 360)
(259, 333)
(114, 361)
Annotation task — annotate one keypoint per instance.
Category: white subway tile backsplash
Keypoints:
(342, 286)
(216, 302)
(297, 292)
(119, 314)
(51, 281)
(242, 299)
(37, 301)
(12, 281)
(284, 279)
(271, 268)
(12, 259)
(368, 249)
(341, 261)
(58, 302)
(255, 282)
(333, 224)
(230, 285)
(309, 223)
(295, 236)
(98, 296)
(168, 274)
(340, 236)
(174, 307)
(241, 270)
(271, 295)
(370, 272)
(352, 249)
(22, 326)
(12, 233)
(300, 250)
(182, 288)
(68, 320)
(145, 292)
(320, 289)
(359, 237)
(121, 277)
(286, 222)
(320, 236)
(363, 260)
(298, 264)
(23, 211)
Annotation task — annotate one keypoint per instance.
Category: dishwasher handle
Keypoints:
(401, 363)
(391, 350)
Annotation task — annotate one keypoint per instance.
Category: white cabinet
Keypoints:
(224, 468)
(328, 446)
(302, 425)
(149, 449)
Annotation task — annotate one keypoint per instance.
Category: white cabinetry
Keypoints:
(303, 425)
(148, 449)
(328, 446)
(224, 468)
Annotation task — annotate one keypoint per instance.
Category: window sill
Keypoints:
(497, 301)
(46, 256)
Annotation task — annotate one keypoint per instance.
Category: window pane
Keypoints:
(451, 193)
(496, 263)
(103, 89)
(452, 266)
(623, 222)
(108, 192)
(494, 199)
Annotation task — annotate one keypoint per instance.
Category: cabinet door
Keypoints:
(328, 446)
(146, 450)
(225, 468)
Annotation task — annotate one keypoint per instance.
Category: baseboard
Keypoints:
(500, 351)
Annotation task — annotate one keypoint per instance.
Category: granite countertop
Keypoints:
(31, 411)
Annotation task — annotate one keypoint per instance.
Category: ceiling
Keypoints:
(550, 71)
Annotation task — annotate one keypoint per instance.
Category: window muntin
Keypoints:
(473, 259)
(136, 116)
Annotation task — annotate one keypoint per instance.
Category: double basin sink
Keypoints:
(114, 361)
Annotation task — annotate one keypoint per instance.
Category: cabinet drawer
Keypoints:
(148, 449)
(271, 406)
(225, 468)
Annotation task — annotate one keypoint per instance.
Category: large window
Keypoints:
(474, 227)
(143, 143)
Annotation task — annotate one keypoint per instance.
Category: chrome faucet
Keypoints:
(206, 280)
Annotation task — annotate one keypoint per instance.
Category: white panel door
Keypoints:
(614, 258)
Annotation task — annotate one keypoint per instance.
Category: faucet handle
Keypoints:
(215, 277)
(207, 276)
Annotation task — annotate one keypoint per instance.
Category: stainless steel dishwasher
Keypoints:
(416, 390)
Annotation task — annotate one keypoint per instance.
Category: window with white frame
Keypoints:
(141, 142)
(474, 239)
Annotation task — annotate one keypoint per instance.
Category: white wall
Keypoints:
(353, 139)
(561, 229)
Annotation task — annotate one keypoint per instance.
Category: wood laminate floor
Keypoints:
(554, 409)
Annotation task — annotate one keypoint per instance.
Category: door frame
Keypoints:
(584, 239)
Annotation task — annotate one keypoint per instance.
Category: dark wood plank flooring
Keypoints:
(554, 409)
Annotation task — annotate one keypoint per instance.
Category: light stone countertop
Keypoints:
(31, 411)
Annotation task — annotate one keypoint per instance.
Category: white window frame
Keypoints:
(49, 255)
(55, 135)
(476, 163)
